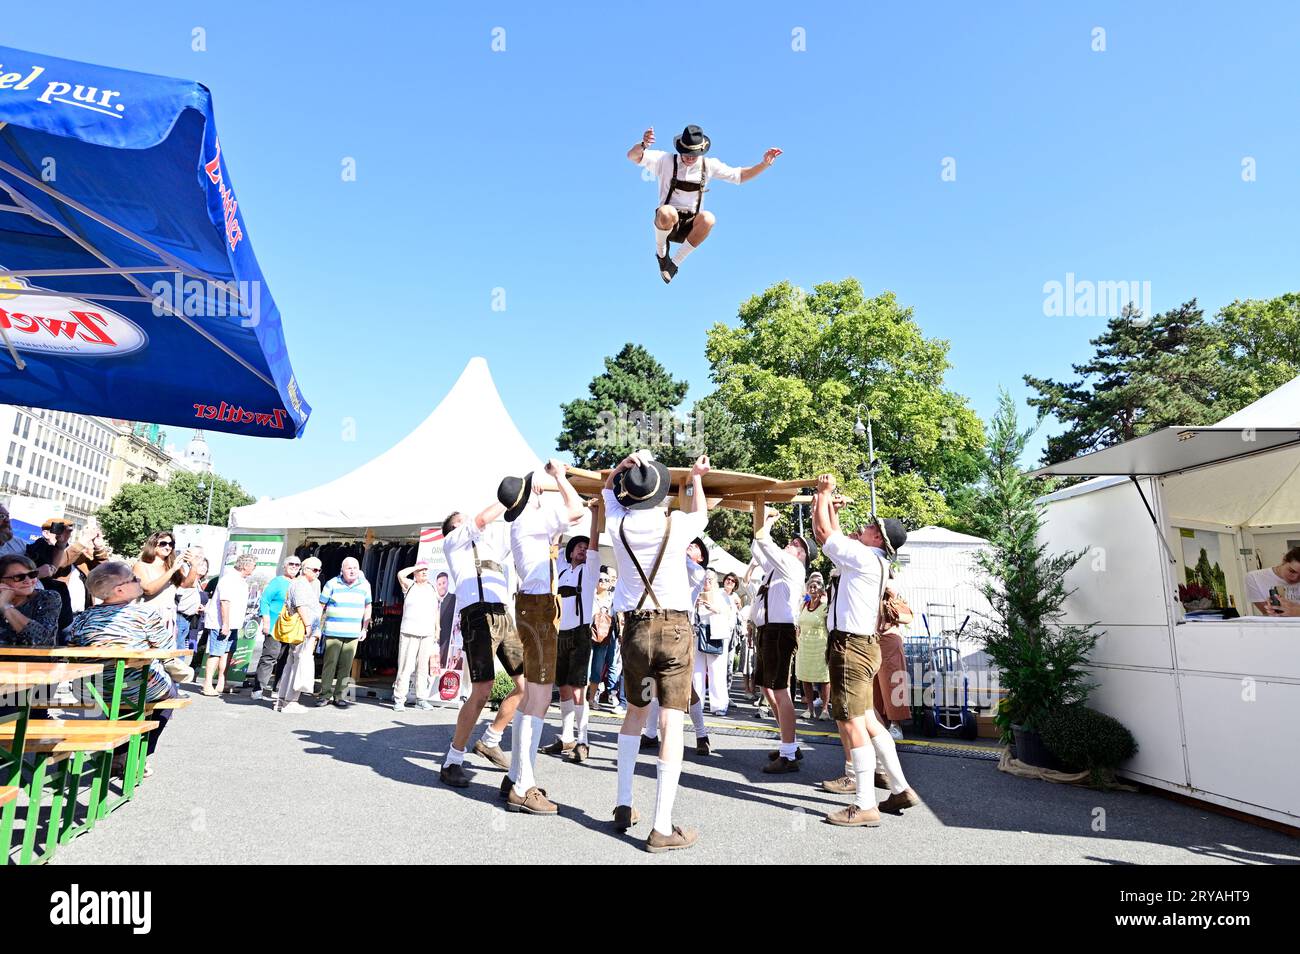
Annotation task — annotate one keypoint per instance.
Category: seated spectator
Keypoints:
(121, 621)
(28, 616)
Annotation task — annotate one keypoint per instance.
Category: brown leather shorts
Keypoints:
(777, 645)
(485, 631)
(537, 615)
(573, 656)
(853, 661)
(658, 655)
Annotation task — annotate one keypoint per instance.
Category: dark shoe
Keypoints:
(854, 817)
(680, 838)
(895, 804)
(667, 267)
(492, 753)
(506, 785)
(702, 746)
(776, 754)
(880, 780)
(322, 701)
(780, 766)
(581, 752)
(648, 743)
(454, 775)
(342, 704)
(534, 802)
(625, 816)
(844, 785)
(559, 747)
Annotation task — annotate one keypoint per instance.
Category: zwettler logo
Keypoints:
(62, 92)
(76, 907)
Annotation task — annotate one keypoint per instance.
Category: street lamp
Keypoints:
(868, 471)
(210, 488)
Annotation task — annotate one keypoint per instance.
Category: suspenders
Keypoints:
(647, 581)
(679, 185)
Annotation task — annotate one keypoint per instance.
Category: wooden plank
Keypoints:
(8, 793)
(760, 513)
(27, 675)
(90, 652)
(80, 728)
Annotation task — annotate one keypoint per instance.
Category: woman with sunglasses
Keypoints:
(161, 573)
(28, 616)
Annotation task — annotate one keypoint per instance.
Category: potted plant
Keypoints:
(1195, 596)
(1086, 740)
(1041, 659)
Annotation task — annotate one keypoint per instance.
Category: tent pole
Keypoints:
(1154, 522)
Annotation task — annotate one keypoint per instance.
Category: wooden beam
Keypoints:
(760, 512)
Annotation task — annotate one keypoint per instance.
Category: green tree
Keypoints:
(225, 495)
(796, 368)
(1144, 375)
(1261, 343)
(137, 510)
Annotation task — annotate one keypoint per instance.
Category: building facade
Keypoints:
(139, 456)
(57, 456)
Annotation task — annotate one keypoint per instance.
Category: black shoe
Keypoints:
(342, 704)
(702, 746)
(776, 754)
(781, 766)
(454, 775)
(649, 743)
(667, 267)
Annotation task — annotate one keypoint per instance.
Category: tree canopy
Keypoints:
(137, 510)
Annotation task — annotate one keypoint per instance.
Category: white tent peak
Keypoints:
(452, 461)
(1280, 408)
(941, 535)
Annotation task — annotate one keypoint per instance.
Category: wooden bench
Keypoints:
(8, 793)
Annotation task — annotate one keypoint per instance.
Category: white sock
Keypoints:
(864, 769)
(887, 758)
(524, 744)
(651, 730)
(584, 718)
(628, 747)
(539, 726)
(848, 769)
(491, 737)
(682, 251)
(454, 756)
(788, 749)
(697, 716)
(665, 795)
(566, 720)
(661, 241)
(515, 740)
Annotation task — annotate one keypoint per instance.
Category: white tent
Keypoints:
(420, 480)
(938, 569)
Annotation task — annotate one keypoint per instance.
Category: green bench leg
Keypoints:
(72, 788)
(36, 793)
(52, 833)
(7, 828)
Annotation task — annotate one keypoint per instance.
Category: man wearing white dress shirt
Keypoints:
(577, 589)
(776, 613)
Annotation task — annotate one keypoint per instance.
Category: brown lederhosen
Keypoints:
(658, 644)
(486, 630)
(538, 617)
(853, 660)
(685, 220)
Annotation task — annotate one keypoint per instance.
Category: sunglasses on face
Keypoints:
(20, 577)
(164, 543)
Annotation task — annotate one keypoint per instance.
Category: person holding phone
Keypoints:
(1275, 590)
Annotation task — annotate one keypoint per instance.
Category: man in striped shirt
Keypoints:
(345, 617)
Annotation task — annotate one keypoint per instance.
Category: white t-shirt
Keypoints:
(458, 548)
(697, 575)
(233, 589)
(420, 610)
(661, 163)
(532, 534)
(583, 578)
(785, 575)
(645, 531)
(1260, 582)
(857, 594)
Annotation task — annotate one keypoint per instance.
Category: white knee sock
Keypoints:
(665, 795)
(454, 756)
(848, 769)
(535, 740)
(584, 717)
(651, 730)
(566, 720)
(697, 716)
(515, 738)
(683, 250)
(661, 240)
(887, 759)
(491, 737)
(864, 770)
(788, 749)
(524, 744)
(628, 747)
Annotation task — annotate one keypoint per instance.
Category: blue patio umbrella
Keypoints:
(128, 284)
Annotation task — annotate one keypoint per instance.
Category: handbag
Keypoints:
(304, 672)
(601, 624)
(704, 641)
(289, 628)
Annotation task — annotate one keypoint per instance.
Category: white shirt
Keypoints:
(696, 575)
(532, 534)
(233, 589)
(584, 579)
(785, 575)
(458, 548)
(420, 610)
(645, 531)
(661, 163)
(857, 595)
(1260, 582)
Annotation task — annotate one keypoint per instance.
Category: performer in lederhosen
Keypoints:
(577, 589)
(697, 570)
(536, 524)
(653, 594)
(776, 611)
(854, 653)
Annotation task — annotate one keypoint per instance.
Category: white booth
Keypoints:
(1212, 702)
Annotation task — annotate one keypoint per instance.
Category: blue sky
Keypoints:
(479, 170)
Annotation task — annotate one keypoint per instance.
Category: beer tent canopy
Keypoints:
(128, 284)
(452, 461)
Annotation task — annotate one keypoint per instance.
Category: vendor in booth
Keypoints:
(1275, 590)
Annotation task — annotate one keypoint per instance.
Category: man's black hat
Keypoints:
(642, 487)
(573, 542)
(692, 142)
(512, 493)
